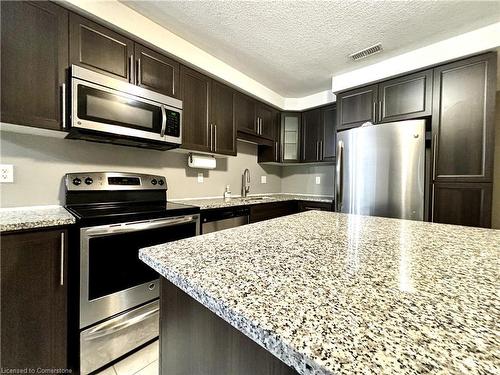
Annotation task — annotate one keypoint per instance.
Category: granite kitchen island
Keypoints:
(328, 293)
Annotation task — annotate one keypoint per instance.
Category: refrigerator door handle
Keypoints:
(339, 176)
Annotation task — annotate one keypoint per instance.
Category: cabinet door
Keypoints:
(266, 211)
(267, 117)
(290, 137)
(156, 72)
(329, 136)
(463, 204)
(244, 114)
(272, 154)
(356, 107)
(311, 124)
(314, 206)
(463, 120)
(33, 282)
(34, 55)
(97, 48)
(195, 95)
(222, 119)
(406, 97)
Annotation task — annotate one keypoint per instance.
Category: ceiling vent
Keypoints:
(366, 52)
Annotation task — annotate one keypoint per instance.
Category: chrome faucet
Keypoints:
(245, 187)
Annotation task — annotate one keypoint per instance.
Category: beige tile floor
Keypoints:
(143, 362)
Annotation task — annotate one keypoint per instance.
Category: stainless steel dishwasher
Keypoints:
(216, 219)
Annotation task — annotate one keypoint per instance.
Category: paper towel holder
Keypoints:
(201, 161)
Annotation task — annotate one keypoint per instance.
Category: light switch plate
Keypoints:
(318, 180)
(6, 173)
(263, 179)
(200, 177)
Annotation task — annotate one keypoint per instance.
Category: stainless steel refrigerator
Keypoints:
(380, 170)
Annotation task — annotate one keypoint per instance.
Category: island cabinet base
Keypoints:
(195, 341)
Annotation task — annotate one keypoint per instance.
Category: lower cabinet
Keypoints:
(314, 206)
(462, 204)
(266, 211)
(33, 302)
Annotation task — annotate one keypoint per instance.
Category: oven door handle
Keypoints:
(113, 327)
(138, 226)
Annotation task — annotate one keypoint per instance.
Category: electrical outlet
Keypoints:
(6, 173)
(318, 180)
(200, 177)
(263, 179)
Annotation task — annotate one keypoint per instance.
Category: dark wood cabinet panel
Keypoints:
(33, 301)
(463, 119)
(267, 117)
(405, 97)
(311, 135)
(156, 72)
(195, 341)
(222, 119)
(329, 136)
(195, 94)
(244, 114)
(356, 107)
(34, 56)
(463, 204)
(98, 48)
(266, 211)
(314, 206)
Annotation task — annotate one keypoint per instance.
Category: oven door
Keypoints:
(102, 109)
(113, 279)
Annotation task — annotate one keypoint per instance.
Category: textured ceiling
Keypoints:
(294, 47)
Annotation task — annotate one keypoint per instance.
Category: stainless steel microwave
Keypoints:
(104, 109)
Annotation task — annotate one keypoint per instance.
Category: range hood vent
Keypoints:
(366, 52)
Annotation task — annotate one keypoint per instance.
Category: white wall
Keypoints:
(302, 179)
(40, 162)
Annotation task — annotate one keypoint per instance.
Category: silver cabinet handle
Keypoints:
(276, 151)
(320, 150)
(339, 176)
(215, 137)
(211, 137)
(380, 110)
(434, 156)
(163, 121)
(61, 280)
(317, 150)
(432, 202)
(131, 68)
(63, 104)
(138, 73)
(374, 115)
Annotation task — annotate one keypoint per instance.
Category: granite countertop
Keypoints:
(347, 294)
(208, 203)
(18, 218)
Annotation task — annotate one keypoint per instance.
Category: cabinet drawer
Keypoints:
(266, 211)
(317, 206)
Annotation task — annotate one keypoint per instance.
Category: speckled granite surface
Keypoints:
(347, 294)
(208, 203)
(12, 219)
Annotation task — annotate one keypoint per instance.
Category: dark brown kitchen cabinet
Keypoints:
(195, 96)
(222, 119)
(329, 136)
(245, 115)
(356, 107)
(266, 211)
(463, 120)
(272, 154)
(314, 206)
(155, 71)
(311, 135)
(266, 121)
(100, 49)
(34, 56)
(462, 203)
(405, 97)
(290, 137)
(33, 283)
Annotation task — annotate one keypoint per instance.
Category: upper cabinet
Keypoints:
(329, 133)
(34, 55)
(208, 114)
(356, 107)
(155, 71)
(290, 136)
(405, 97)
(245, 116)
(266, 121)
(311, 135)
(100, 49)
(463, 120)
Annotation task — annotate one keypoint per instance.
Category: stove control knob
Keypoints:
(161, 182)
(88, 181)
(77, 181)
(153, 181)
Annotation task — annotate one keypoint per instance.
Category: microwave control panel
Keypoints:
(173, 127)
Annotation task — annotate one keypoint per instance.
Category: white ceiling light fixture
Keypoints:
(372, 50)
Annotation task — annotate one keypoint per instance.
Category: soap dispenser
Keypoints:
(227, 193)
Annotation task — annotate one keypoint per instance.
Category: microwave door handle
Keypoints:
(163, 121)
(133, 227)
